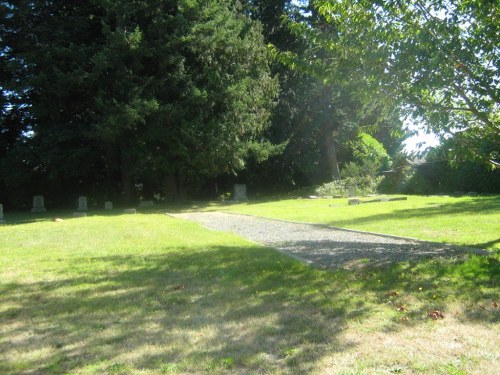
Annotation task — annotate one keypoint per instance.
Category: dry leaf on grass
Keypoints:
(436, 314)
(392, 293)
(401, 308)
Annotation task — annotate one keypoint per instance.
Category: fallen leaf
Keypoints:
(401, 308)
(436, 314)
(179, 287)
(392, 293)
(405, 319)
(494, 305)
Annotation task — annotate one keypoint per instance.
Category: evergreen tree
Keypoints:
(149, 94)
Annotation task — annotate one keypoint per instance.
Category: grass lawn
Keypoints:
(469, 221)
(149, 294)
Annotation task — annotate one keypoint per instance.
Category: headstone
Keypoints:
(130, 211)
(146, 204)
(353, 201)
(351, 191)
(398, 199)
(38, 204)
(79, 214)
(2, 221)
(108, 205)
(82, 204)
(240, 192)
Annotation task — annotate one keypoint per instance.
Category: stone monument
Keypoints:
(2, 221)
(108, 205)
(240, 192)
(351, 191)
(38, 204)
(82, 204)
(146, 204)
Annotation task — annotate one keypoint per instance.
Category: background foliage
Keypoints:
(175, 98)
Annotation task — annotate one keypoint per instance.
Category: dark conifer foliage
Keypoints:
(120, 98)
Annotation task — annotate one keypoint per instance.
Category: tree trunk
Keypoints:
(126, 174)
(331, 156)
(171, 187)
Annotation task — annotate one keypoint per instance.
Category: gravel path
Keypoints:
(320, 245)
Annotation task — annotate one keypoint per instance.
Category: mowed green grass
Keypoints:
(149, 294)
(468, 221)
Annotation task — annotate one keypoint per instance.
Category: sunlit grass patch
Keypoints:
(469, 221)
(148, 294)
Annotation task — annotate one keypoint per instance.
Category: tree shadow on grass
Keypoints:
(484, 205)
(222, 309)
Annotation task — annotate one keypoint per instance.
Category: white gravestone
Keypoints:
(240, 192)
(2, 221)
(82, 204)
(38, 204)
(130, 211)
(108, 205)
(351, 191)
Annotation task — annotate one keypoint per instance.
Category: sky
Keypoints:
(411, 144)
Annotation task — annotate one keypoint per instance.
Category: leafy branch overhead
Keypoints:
(437, 59)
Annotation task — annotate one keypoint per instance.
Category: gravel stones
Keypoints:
(321, 245)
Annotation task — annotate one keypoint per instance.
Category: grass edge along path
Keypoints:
(147, 294)
(464, 221)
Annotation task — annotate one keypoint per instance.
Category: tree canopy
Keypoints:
(440, 61)
(159, 97)
(121, 95)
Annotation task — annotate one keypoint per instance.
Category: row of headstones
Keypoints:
(240, 193)
(39, 204)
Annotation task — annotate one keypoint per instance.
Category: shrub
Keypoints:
(363, 184)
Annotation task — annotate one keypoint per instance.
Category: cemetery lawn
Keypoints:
(150, 294)
(467, 221)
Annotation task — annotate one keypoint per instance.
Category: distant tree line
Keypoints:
(172, 98)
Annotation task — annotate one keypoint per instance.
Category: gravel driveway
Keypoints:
(320, 245)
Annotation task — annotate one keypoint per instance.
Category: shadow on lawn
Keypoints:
(483, 205)
(222, 309)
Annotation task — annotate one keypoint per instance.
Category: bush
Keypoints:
(364, 185)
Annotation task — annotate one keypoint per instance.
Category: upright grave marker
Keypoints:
(82, 204)
(2, 221)
(38, 204)
(240, 192)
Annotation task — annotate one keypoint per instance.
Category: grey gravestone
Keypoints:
(79, 214)
(82, 204)
(353, 201)
(130, 211)
(2, 221)
(108, 205)
(146, 204)
(38, 204)
(351, 191)
(240, 192)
